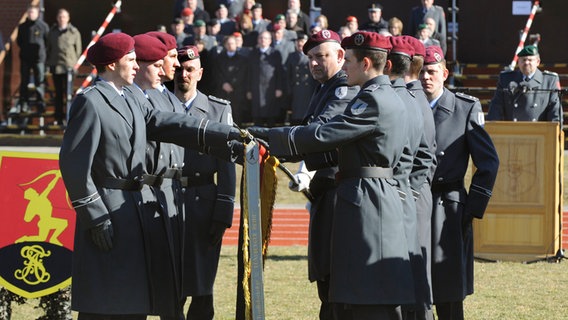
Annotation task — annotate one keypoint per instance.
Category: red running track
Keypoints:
(289, 227)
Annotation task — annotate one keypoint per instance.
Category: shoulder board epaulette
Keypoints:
(550, 73)
(87, 89)
(372, 87)
(218, 100)
(466, 97)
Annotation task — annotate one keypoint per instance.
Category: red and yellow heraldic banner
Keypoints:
(37, 223)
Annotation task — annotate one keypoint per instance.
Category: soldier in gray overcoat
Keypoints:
(527, 94)
(371, 274)
(208, 201)
(416, 160)
(459, 134)
(103, 165)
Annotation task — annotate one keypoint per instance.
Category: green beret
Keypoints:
(422, 26)
(529, 50)
(279, 17)
(199, 23)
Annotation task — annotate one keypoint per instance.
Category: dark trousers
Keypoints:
(201, 308)
(326, 309)
(450, 310)
(375, 312)
(91, 316)
(60, 83)
(38, 68)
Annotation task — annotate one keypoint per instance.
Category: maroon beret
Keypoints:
(110, 48)
(187, 53)
(418, 46)
(320, 37)
(402, 47)
(434, 54)
(367, 40)
(149, 48)
(166, 38)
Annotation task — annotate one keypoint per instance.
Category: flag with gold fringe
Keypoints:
(268, 182)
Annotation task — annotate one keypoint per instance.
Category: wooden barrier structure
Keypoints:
(522, 221)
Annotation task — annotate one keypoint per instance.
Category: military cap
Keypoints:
(221, 6)
(213, 21)
(177, 21)
(149, 48)
(110, 48)
(279, 17)
(166, 38)
(418, 46)
(375, 7)
(320, 37)
(401, 47)
(422, 26)
(187, 53)
(256, 6)
(434, 54)
(199, 23)
(186, 12)
(237, 34)
(529, 50)
(276, 27)
(367, 40)
(351, 18)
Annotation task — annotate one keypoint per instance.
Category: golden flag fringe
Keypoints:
(268, 186)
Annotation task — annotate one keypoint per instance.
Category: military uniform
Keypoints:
(266, 75)
(459, 134)
(207, 202)
(421, 185)
(369, 257)
(518, 100)
(102, 158)
(416, 160)
(300, 84)
(232, 70)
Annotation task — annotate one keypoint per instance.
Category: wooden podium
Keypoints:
(522, 221)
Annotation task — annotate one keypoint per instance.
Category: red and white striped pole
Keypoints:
(99, 33)
(524, 35)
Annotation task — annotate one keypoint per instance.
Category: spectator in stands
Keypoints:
(214, 29)
(228, 25)
(431, 23)
(32, 39)
(395, 26)
(258, 22)
(352, 23)
(200, 33)
(63, 51)
(527, 94)
(303, 18)
(292, 21)
(344, 32)
(188, 19)
(300, 83)
(280, 43)
(198, 12)
(376, 22)
(322, 21)
(230, 73)
(177, 30)
(234, 7)
(280, 20)
(427, 9)
(249, 36)
(424, 35)
(180, 4)
(266, 82)
(315, 28)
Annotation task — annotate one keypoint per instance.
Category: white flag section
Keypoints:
(255, 229)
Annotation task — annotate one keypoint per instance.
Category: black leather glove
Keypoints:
(216, 232)
(259, 132)
(102, 235)
(235, 134)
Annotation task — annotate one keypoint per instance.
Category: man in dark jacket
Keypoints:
(459, 134)
(209, 202)
(32, 39)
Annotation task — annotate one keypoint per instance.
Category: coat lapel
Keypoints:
(115, 101)
(444, 108)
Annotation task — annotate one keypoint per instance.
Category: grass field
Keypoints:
(504, 290)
